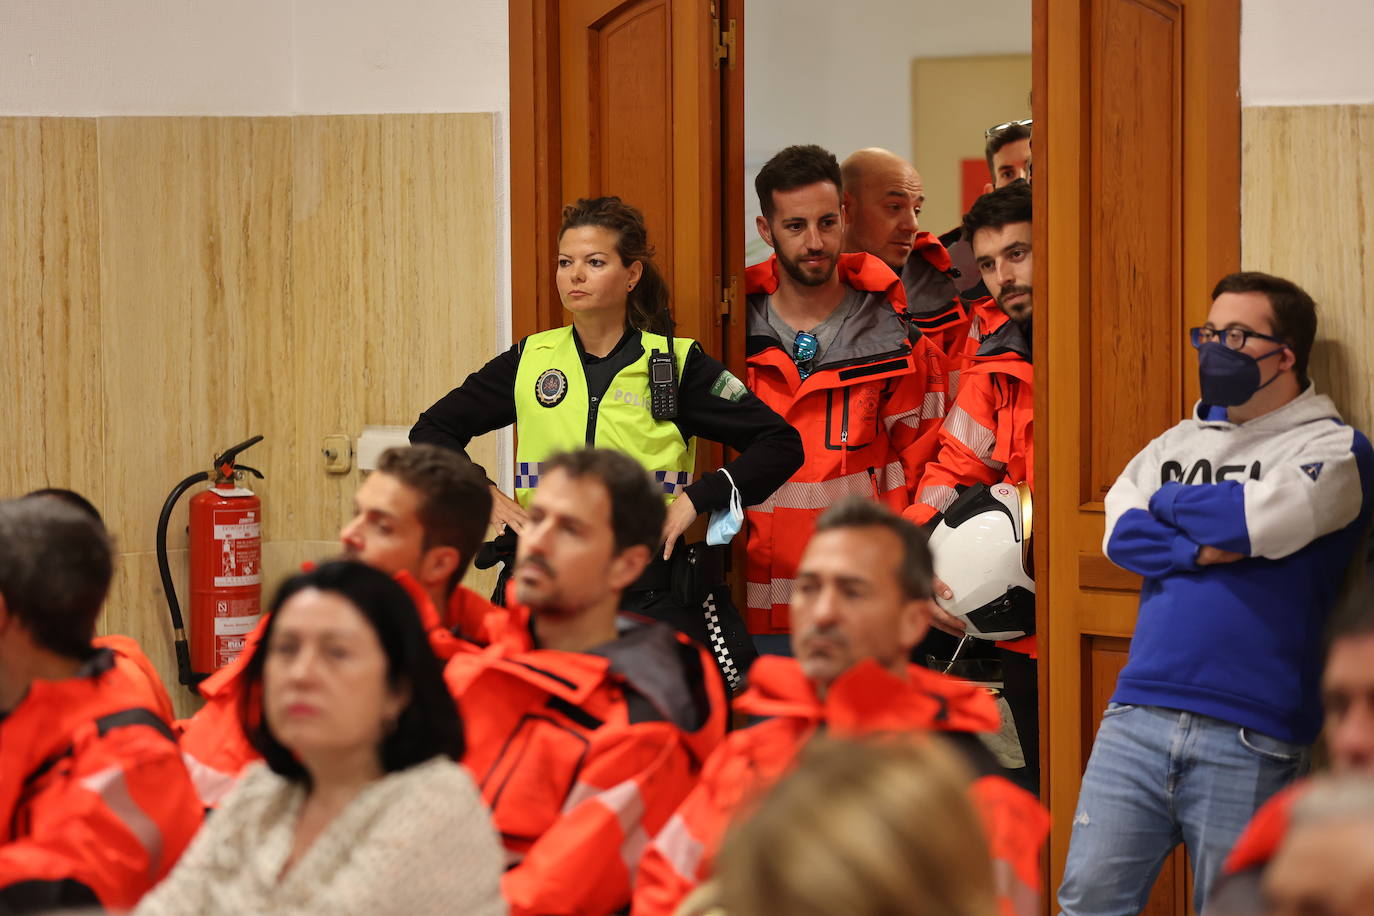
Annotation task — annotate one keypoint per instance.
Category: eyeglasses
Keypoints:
(996, 129)
(1231, 338)
(804, 351)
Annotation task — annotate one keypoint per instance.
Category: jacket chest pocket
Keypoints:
(528, 784)
(851, 417)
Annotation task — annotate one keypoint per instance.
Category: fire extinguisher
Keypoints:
(226, 571)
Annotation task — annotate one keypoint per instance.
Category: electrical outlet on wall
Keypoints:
(338, 454)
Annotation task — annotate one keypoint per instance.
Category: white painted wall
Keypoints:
(839, 73)
(1314, 53)
(251, 57)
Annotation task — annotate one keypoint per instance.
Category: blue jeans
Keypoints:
(1157, 776)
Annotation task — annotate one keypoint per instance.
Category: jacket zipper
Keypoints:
(873, 479)
(591, 421)
(844, 435)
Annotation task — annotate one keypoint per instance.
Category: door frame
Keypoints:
(535, 176)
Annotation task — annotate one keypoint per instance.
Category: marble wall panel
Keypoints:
(1308, 214)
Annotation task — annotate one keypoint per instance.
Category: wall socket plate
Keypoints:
(338, 454)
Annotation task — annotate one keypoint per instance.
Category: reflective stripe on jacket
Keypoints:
(583, 756)
(555, 412)
(95, 805)
(213, 744)
(864, 700)
(868, 417)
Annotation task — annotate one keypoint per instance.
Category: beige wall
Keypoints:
(954, 100)
(1307, 196)
(170, 286)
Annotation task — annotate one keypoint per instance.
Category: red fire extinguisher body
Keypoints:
(226, 573)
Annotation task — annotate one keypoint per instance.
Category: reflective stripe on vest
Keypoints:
(554, 412)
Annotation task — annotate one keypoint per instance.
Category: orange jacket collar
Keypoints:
(868, 698)
(857, 270)
(929, 246)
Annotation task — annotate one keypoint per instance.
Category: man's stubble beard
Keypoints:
(794, 270)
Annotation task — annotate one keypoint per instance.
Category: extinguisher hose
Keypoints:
(183, 649)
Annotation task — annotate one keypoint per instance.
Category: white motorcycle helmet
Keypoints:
(982, 552)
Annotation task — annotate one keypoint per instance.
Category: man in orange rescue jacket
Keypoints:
(861, 602)
(832, 349)
(585, 728)
(95, 804)
(988, 435)
(420, 516)
(883, 196)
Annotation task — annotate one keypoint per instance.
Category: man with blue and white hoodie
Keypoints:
(1243, 521)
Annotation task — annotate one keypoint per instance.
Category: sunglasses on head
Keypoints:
(996, 129)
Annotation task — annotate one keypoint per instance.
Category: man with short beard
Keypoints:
(862, 601)
(832, 349)
(585, 728)
(883, 196)
(988, 436)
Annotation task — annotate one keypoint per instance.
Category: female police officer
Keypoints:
(589, 383)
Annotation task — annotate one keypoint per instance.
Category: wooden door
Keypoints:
(620, 97)
(1137, 185)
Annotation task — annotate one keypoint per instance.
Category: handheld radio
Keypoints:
(663, 382)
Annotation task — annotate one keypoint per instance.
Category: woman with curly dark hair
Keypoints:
(610, 379)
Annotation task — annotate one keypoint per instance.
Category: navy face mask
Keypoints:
(1229, 377)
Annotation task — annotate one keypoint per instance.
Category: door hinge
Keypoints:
(728, 292)
(724, 43)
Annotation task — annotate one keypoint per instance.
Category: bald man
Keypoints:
(883, 196)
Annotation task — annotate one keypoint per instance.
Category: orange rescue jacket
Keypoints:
(864, 700)
(988, 434)
(95, 805)
(582, 756)
(869, 416)
(213, 744)
(130, 660)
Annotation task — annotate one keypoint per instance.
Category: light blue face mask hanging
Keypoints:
(726, 523)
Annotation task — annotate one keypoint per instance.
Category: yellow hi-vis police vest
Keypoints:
(554, 412)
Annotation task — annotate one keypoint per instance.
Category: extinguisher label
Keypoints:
(235, 626)
(235, 618)
(238, 534)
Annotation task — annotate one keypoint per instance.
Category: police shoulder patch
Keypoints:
(551, 387)
(728, 387)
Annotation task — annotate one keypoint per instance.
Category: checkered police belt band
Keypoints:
(715, 633)
(527, 474)
(527, 477)
(672, 482)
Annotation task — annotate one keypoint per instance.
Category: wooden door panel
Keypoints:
(639, 104)
(1136, 211)
(1133, 233)
(1104, 657)
(631, 131)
